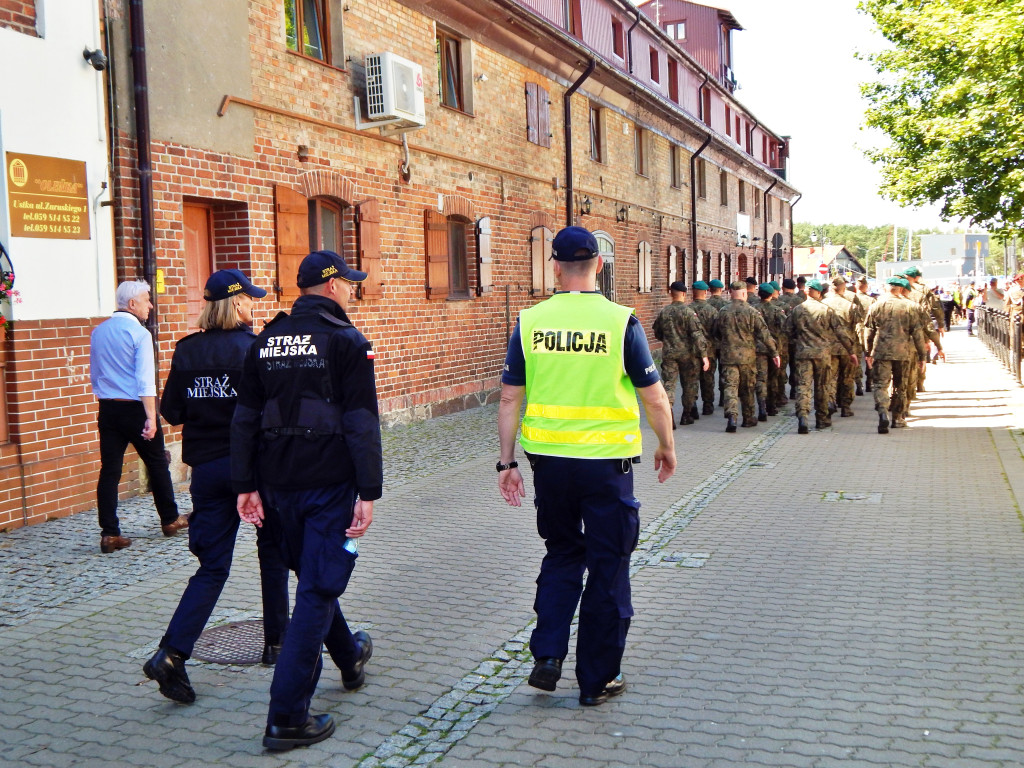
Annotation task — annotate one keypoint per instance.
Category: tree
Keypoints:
(949, 101)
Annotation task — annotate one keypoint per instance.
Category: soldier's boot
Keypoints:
(781, 400)
(822, 423)
(721, 399)
(749, 423)
(708, 409)
(773, 411)
(694, 413)
(801, 428)
(686, 420)
(899, 422)
(730, 423)
(867, 386)
(832, 408)
(792, 393)
(762, 413)
(860, 389)
(846, 411)
(682, 419)
(883, 424)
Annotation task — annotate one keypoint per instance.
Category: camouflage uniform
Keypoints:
(787, 301)
(718, 301)
(811, 326)
(931, 309)
(768, 380)
(706, 312)
(683, 344)
(843, 370)
(895, 340)
(863, 373)
(738, 329)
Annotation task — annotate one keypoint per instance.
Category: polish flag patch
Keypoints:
(370, 355)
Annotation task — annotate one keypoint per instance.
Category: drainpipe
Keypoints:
(144, 161)
(700, 100)
(750, 138)
(799, 195)
(629, 39)
(764, 211)
(693, 196)
(567, 120)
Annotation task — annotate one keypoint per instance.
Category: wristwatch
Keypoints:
(502, 467)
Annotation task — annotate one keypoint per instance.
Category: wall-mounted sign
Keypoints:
(47, 197)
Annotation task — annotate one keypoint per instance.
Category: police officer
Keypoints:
(307, 425)
(200, 394)
(577, 358)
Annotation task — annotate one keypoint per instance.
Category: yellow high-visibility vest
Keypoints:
(580, 401)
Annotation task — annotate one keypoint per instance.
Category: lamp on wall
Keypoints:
(303, 153)
(621, 213)
(585, 206)
(742, 241)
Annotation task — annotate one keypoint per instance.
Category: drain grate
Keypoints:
(240, 642)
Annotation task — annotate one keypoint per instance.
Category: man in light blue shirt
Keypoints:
(122, 372)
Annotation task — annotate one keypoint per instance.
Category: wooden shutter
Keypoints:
(484, 281)
(291, 211)
(368, 222)
(644, 266)
(532, 121)
(672, 256)
(543, 268)
(436, 238)
(543, 118)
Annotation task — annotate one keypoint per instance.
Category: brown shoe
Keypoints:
(110, 544)
(172, 528)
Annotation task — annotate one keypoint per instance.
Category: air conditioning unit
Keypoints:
(394, 90)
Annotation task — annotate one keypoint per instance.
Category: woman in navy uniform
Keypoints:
(200, 394)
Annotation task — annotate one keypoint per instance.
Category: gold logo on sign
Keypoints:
(18, 172)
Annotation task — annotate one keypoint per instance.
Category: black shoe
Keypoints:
(168, 669)
(708, 409)
(614, 688)
(860, 389)
(730, 424)
(314, 730)
(355, 677)
(270, 653)
(546, 673)
(762, 415)
(832, 408)
(682, 419)
(694, 414)
(883, 424)
(686, 420)
(867, 388)
(773, 411)
(801, 428)
(750, 422)
(846, 411)
(792, 393)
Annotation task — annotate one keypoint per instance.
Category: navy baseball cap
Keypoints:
(570, 241)
(678, 286)
(320, 266)
(225, 283)
(789, 283)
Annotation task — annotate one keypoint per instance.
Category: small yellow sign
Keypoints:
(47, 197)
(160, 286)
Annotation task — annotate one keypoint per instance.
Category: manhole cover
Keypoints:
(240, 642)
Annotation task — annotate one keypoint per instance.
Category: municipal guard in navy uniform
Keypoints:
(306, 430)
(200, 394)
(580, 360)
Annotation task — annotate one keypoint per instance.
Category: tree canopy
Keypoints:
(949, 100)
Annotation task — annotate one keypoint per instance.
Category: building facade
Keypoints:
(289, 126)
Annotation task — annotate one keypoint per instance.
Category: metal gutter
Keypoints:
(693, 196)
(567, 114)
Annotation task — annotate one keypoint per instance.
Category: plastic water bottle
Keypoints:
(351, 545)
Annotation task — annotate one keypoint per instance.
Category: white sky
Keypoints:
(794, 60)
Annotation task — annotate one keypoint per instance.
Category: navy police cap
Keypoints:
(571, 241)
(225, 283)
(320, 266)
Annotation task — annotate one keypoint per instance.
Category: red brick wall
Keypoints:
(19, 15)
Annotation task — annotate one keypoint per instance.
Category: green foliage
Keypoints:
(867, 244)
(949, 99)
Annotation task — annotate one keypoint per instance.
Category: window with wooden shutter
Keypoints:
(673, 253)
(538, 115)
(436, 237)
(291, 221)
(543, 268)
(484, 281)
(644, 267)
(368, 224)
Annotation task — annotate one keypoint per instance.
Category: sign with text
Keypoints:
(47, 197)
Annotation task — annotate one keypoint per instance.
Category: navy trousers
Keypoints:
(211, 538)
(312, 525)
(589, 520)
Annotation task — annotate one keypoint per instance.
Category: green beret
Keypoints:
(775, 284)
(716, 284)
(902, 282)
(700, 285)
(737, 285)
(815, 285)
(767, 287)
(912, 272)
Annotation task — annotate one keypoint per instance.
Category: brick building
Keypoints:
(534, 113)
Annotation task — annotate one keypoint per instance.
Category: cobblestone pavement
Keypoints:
(839, 598)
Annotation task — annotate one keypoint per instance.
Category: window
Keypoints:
(673, 264)
(702, 178)
(673, 80)
(618, 44)
(675, 155)
(458, 269)
(738, 139)
(640, 149)
(676, 30)
(768, 208)
(705, 105)
(655, 65)
(764, 149)
(449, 262)
(453, 71)
(606, 277)
(723, 187)
(644, 267)
(757, 203)
(325, 226)
(749, 134)
(596, 134)
(306, 25)
(538, 115)
(742, 196)
(575, 16)
(728, 121)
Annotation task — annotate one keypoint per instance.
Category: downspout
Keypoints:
(799, 195)
(144, 162)
(693, 196)
(700, 100)
(749, 149)
(567, 121)
(629, 39)
(764, 211)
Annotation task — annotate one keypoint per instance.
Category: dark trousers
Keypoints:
(312, 525)
(120, 422)
(211, 538)
(589, 520)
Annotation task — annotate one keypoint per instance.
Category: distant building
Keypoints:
(838, 260)
(943, 258)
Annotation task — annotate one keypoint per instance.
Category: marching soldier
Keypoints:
(706, 313)
(768, 382)
(684, 351)
(843, 371)
(864, 301)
